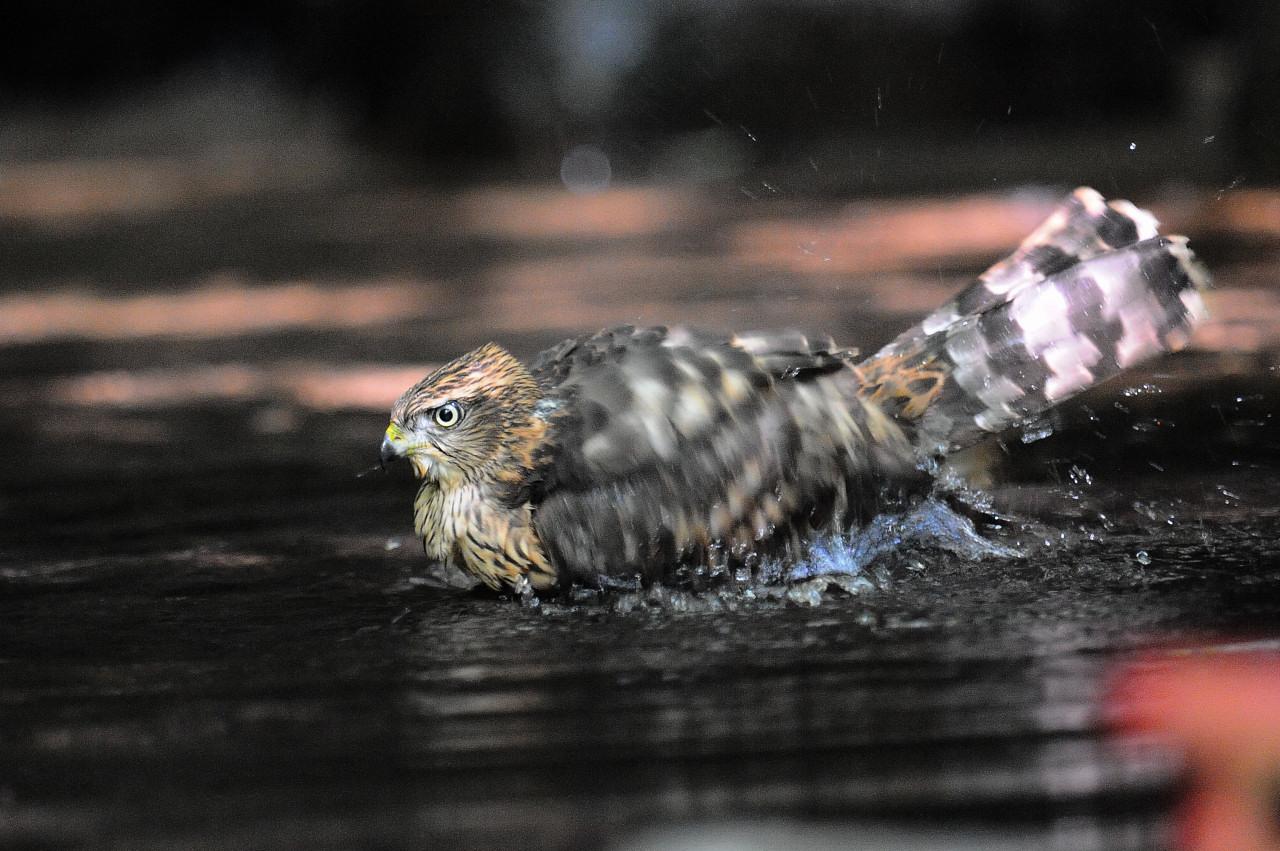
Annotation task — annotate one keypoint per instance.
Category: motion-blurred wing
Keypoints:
(666, 445)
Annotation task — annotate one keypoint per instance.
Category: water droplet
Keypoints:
(1147, 426)
(1142, 557)
(1032, 434)
(1147, 511)
(1143, 390)
(853, 584)
(1133, 146)
(1079, 475)
(807, 593)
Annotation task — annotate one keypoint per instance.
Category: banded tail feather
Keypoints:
(1084, 226)
(1044, 325)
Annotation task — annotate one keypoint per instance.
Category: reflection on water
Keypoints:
(214, 634)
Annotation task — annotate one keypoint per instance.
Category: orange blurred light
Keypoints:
(554, 214)
(218, 309)
(892, 236)
(66, 192)
(1223, 712)
(308, 385)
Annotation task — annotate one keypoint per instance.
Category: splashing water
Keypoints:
(931, 524)
(854, 563)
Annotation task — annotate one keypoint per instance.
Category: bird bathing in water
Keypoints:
(635, 455)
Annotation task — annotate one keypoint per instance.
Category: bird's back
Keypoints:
(682, 449)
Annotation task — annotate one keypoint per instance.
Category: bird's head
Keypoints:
(467, 421)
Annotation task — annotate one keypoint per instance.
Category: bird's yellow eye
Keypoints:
(448, 415)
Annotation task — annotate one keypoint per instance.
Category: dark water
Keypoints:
(214, 634)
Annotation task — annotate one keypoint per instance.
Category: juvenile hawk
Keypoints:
(634, 453)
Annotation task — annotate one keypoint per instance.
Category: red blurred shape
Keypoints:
(1223, 714)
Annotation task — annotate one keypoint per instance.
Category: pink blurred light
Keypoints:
(1223, 713)
(218, 309)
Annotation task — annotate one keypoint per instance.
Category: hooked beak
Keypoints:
(389, 451)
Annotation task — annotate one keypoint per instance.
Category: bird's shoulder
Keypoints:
(627, 399)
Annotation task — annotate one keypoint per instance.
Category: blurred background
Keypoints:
(855, 96)
(232, 233)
